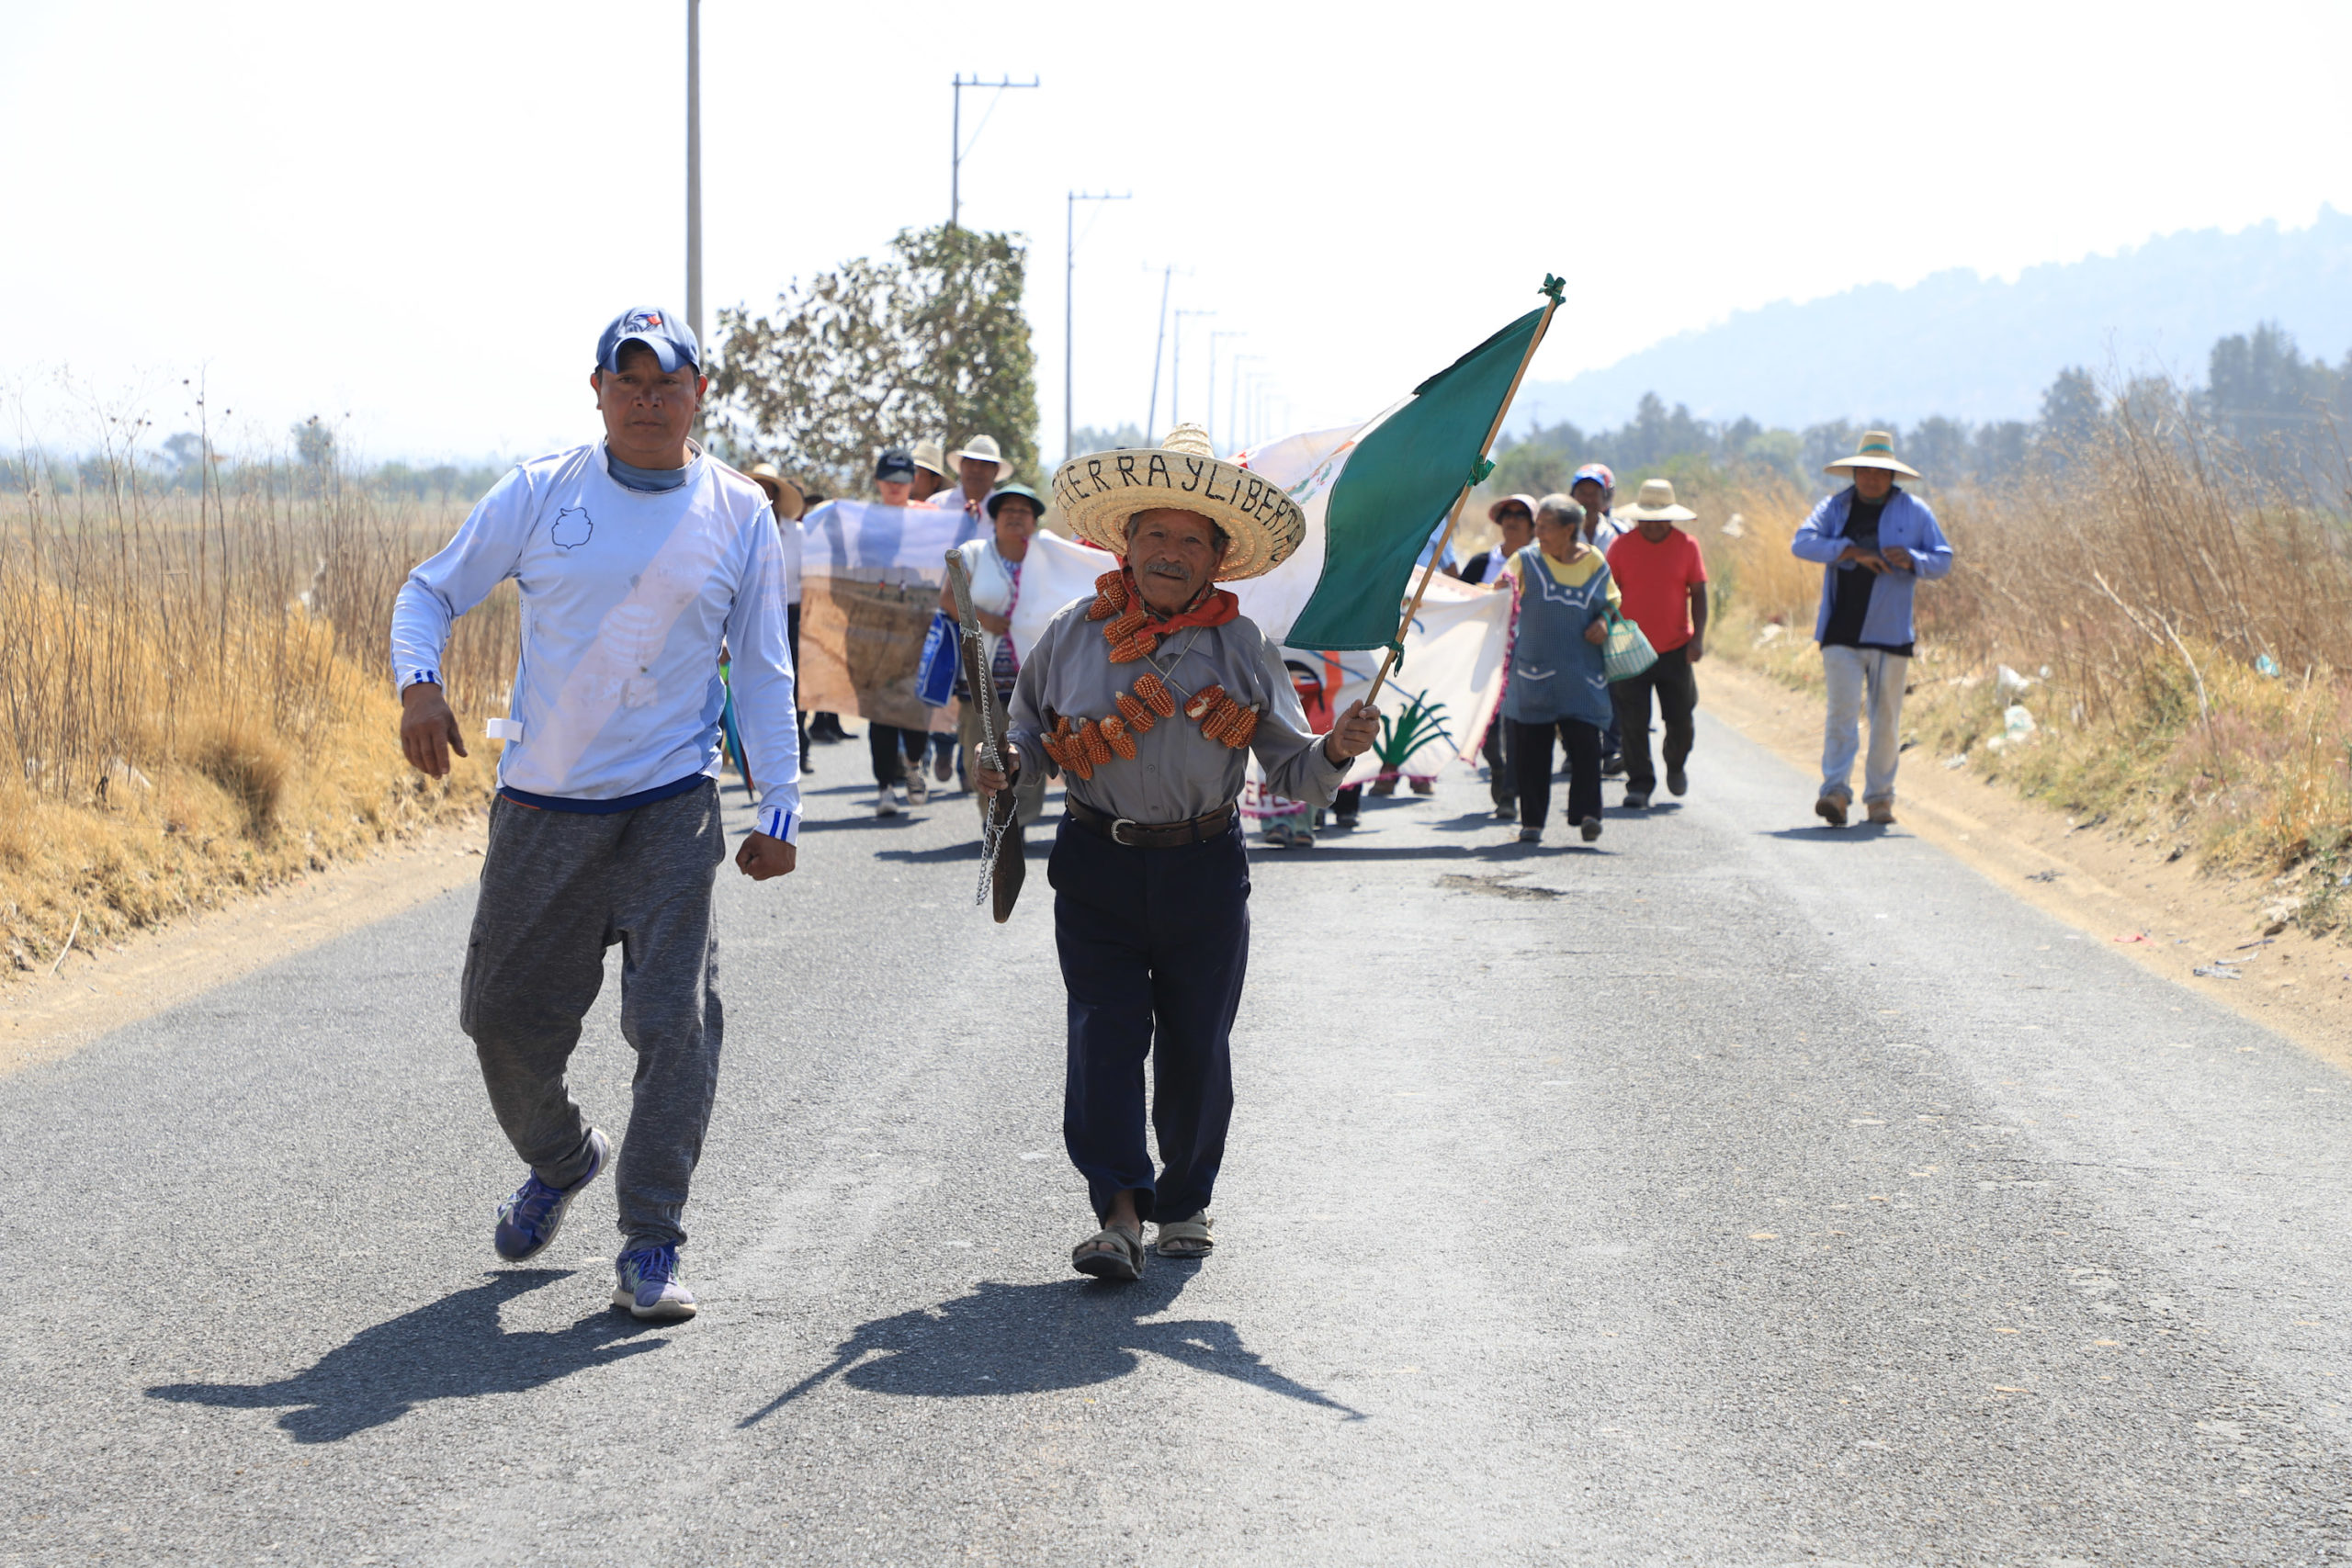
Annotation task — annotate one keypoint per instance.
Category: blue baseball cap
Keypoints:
(672, 341)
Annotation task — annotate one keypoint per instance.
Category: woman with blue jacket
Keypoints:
(1874, 541)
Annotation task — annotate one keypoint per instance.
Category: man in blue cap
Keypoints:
(639, 557)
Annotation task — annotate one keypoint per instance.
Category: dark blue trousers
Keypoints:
(1154, 945)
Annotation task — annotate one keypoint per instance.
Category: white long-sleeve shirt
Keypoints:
(627, 597)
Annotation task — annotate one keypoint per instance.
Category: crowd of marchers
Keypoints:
(1608, 624)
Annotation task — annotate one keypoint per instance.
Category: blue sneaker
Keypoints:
(648, 1283)
(528, 1221)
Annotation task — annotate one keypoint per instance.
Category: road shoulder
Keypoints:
(95, 993)
(2167, 915)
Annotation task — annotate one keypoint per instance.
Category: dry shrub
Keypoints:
(195, 692)
(2184, 620)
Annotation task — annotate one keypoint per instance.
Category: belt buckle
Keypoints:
(1119, 822)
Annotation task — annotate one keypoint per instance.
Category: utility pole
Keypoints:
(956, 137)
(1176, 368)
(1210, 424)
(694, 169)
(1233, 399)
(1069, 315)
(1152, 420)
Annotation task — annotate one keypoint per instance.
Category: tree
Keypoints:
(928, 341)
(2071, 408)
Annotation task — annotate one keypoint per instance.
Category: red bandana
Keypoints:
(1131, 630)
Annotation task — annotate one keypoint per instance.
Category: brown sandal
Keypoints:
(1110, 1253)
(1187, 1238)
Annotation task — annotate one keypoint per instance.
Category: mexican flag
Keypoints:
(1373, 494)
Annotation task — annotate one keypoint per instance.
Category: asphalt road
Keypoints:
(1736, 1194)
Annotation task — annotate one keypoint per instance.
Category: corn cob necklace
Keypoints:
(1129, 628)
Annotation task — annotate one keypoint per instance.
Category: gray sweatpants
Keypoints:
(558, 888)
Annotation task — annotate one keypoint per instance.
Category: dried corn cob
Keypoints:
(1125, 626)
(1115, 732)
(1245, 725)
(1112, 585)
(1203, 701)
(1152, 690)
(1138, 717)
(1135, 647)
(1089, 739)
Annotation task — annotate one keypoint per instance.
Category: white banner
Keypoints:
(1453, 670)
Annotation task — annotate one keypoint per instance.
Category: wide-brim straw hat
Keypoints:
(1099, 494)
(1876, 450)
(928, 455)
(1656, 504)
(1495, 510)
(981, 448)
(786, 496)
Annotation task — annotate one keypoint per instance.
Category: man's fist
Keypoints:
(763, 857)
(1353, 735)
(429, 730)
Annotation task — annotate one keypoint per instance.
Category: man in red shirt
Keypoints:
(1664, 582)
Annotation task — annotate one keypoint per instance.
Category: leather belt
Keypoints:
(1151, 835)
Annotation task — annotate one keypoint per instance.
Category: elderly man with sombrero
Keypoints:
(1151, 697)
(1874, 540)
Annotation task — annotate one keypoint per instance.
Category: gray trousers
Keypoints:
(1862, 680)
(558, 888)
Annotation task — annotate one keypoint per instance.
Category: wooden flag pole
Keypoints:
(1551, 291)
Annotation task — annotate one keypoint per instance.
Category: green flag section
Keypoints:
(1392, 487)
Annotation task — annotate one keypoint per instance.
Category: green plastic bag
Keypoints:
(1627, 653)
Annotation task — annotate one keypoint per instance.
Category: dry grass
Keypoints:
(2146, 587)
(194, 690)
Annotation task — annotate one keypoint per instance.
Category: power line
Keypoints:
(955, 137)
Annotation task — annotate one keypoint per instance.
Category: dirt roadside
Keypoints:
(2167, 915)
(95, 992)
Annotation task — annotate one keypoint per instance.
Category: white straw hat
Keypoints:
(1100, 493)
(927, 455)
(982, 448)
(1876, 451)
(1656, 504)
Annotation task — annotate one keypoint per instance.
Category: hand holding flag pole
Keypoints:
(1554, 287)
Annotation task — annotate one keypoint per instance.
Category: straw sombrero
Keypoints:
(982, 448)
(1876, 451)
(1656, 504)
(1098, 493)
(790, 504)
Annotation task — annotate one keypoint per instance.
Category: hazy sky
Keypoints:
(419, 215)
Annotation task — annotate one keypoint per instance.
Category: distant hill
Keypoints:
(1976, 348)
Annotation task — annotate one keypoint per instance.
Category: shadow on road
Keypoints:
(1027, 1338)
(452, 1348)
(1032, 847)
(1822, 833)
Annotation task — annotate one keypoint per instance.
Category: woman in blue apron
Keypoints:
(1558, 681)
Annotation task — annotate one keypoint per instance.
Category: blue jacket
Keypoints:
(1906, 522)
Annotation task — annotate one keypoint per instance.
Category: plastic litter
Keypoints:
(2007, 680)
(2265, 665)
(2017, 723)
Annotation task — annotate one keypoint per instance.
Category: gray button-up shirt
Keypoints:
(1177, 773)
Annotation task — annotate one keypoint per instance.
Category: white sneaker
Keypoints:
(646, 1284)
(882, 804)
(918, 786)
